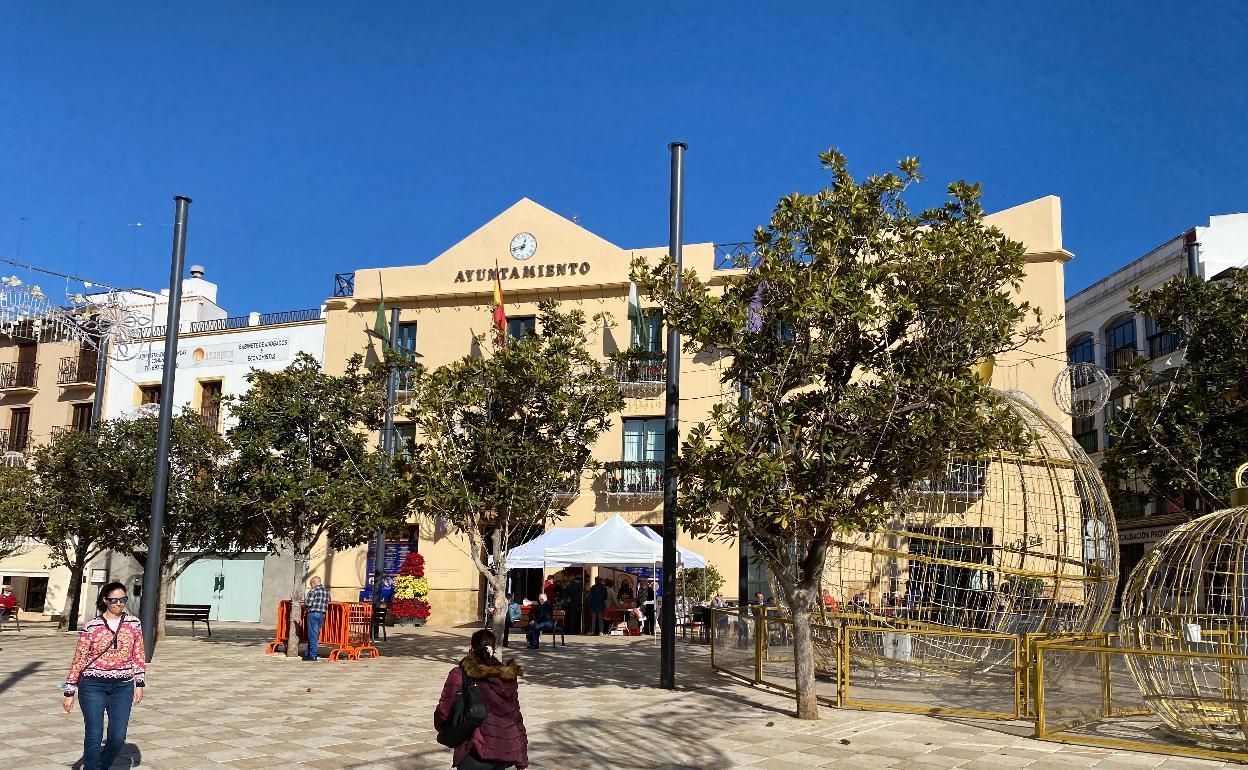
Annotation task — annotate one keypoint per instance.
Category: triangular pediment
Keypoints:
(558, 239)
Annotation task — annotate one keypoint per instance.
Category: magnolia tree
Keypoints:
(303, 470)
(1185, 429)
(856, 329)
(504, 438)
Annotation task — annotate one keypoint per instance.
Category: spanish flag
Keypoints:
(500, 315)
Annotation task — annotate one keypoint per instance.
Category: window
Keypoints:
(648, 335)
(1081, 351)
(210, 404)
(81, 419)
(1120, 343)
(149, 394)
(404, 438)
(407, 338)
(521, 325)
(643, 439)
(19, 430)
(1161, 343)
(1113, 413)
(1084, 430)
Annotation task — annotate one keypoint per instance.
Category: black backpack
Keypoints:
(467, 713)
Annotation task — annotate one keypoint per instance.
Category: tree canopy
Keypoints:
(1184, 430)
(856, 326)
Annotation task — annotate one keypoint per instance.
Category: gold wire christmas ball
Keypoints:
(1190, 595)
(1008, 543)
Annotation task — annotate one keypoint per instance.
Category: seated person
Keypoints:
(625, 595)
(541, 618)
(513, 614)
(8, 602)
(829, 602)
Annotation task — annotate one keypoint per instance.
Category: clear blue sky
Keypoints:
(319, 137)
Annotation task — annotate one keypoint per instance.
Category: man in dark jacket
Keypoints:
(597, 607)
(541, 619)
(647, 607)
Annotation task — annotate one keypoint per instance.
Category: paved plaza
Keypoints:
(223, 703)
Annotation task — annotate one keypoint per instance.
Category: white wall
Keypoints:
(226, 356)
(1223, 244)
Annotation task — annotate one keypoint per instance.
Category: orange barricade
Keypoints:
(340, 631)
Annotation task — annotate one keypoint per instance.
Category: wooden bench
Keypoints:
(191, 612)
(555, 629)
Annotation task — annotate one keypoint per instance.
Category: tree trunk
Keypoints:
(804, 653)
(166, 583)
(298, 579)
(499, 581)
(73, 602)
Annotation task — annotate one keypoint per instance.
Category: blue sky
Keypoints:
(319, 137)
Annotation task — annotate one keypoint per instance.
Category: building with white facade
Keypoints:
(1102, 329)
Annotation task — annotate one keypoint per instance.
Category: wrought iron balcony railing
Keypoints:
(61, 430)
(635, 478)
(1118, 359)
(78, 370)
(735, 256)
(240, 322)
(1164, 343)
(14, 440)
(641, 374)
(344, 284)
(211, 415)
(965, 480)
(19, 376)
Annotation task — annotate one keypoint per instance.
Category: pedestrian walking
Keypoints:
(647, 606)
(317, 603)
(107, 676)
(598, 607)
(500, 741)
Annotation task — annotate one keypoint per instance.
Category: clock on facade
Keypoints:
(523, 246)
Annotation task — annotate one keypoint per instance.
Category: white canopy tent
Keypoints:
(614, 542)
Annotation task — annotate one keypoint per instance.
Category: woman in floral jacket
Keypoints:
(107, 676)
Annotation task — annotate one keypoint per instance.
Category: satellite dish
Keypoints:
(1081, 390)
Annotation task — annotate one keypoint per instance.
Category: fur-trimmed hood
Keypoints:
(509, 671)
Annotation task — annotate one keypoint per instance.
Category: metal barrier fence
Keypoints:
(1188, 702)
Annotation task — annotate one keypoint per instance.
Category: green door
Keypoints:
(231, 586)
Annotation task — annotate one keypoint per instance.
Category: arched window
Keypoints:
(1120, 342)
(1081, 350)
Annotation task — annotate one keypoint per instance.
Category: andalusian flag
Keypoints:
(380, 328)
(500, 315)
(638, 318)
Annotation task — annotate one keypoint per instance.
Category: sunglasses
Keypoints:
(120, 600)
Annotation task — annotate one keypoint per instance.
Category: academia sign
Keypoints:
(247, 352)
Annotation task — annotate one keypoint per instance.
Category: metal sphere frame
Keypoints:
(1082, 389)
(1188, 599)
(1005, 544)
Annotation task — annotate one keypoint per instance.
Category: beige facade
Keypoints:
(449, 301)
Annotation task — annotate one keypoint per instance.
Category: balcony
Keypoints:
(344, 284)
(77, 370)
(1119, 359)
(965, 481)
(211, 415)
(634, 479)
(14, 440)
(641, 374)
(19, 378)
(569, 489)
(1164, 343)
(63, 430)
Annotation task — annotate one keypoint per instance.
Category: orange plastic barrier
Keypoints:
(341, 630)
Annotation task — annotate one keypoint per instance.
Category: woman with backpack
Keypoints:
(499, 740)
(107, 676)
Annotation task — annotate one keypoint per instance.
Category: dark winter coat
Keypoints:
(598, 598)
(501, 738)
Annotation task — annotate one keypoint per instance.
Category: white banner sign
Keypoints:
(250, 352)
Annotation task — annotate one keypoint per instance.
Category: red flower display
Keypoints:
(409, 608)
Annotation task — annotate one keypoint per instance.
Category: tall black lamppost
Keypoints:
(387, 447)
(671, 437)
(160, 489)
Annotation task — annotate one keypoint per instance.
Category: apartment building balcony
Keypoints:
(61, 430)
(77, 371)
(1164, 344)
(19, 378)
(634, 479)
(641, 374)
(1119, 359)
(569, 489)
(14, 440)
(211, 415)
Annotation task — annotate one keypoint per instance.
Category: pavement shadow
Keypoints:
(16, 676)
(129, 756)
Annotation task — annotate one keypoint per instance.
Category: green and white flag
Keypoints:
(638, 318)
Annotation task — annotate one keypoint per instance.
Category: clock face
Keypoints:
(523, 246)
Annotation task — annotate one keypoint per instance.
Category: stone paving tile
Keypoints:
(222, 703)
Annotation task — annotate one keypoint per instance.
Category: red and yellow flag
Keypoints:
(500, 315)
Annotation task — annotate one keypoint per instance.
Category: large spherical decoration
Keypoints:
(1011, 543)
(1190, 594)
(1081, 390)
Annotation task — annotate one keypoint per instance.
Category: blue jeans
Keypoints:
(534, 631)
(95, 697)
(315, 620)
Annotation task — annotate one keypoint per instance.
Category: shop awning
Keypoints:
(614, 542)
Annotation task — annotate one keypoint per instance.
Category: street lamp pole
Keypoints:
(160, 488)
(671, 438)
(387, 447)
